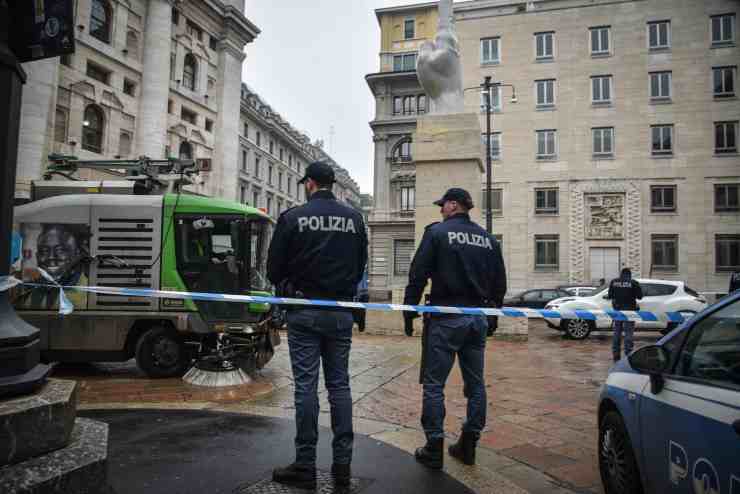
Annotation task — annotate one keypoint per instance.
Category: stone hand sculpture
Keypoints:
(439, 67)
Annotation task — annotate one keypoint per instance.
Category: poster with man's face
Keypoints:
(61, 250)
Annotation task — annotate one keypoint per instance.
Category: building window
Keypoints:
(496, 92)
(660, 85)
(408, 29)
(281, 154)
(257, 167)
(408, 198)
(723, 29)
(659, 35)
(724, 81)
(600, 40)
(97, 72)
(173, 61)
(405, 62)
(544, 45)
(132, 44)
(175, 16)
(402, 151)
(727, 249)
(421, 104)
(100, 20)
(403, 251)
(272, 147)
(546, 254)
(212, 43)
(189, 116)
(194, 30)
(663, 198)
(93, 126)
(189, 72)
(601, 89)
(546, 201)
(60, 125)
(603, 141)
(243, 194)
(545, 92)
(495, 145)
(170, 106)
(129, 87)
(397, 105)
(662, 140)
(209, 125)
(269, 175)
(244, 160)
(409, 105)
(490, 50)
(268, 205)
(726, 198)
(259, 139)
(124, 144)
(186, 151)
(725, 137)
(246, 130)
(280, 181)
(546, 145)
(665, 252)
(290, 185)
(496, 201)
(255, 199)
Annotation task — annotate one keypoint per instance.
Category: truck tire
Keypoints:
(161, 352)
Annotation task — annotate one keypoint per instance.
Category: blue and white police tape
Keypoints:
(590, 315)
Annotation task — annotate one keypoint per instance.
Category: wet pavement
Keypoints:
(541, 434)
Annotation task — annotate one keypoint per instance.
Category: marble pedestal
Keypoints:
(44, 449)
(447, 153)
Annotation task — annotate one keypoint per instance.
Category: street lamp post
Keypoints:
(486, 87)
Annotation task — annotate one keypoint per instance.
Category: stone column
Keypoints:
(38, 113)
(223, 181)
(447, 151)
(381, 179)
(151, 130)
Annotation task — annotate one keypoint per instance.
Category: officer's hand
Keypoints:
(408, 322)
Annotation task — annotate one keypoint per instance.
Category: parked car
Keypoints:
(581, 290)
(658, 296)
(669, 414)
(535, 299)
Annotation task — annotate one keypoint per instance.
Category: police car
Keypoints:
(669, 414)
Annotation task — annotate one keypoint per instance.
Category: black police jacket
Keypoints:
(320, 247)
(734, 281)
(464, 263)
(624, 294)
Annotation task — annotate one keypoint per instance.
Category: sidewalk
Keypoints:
(541, 435)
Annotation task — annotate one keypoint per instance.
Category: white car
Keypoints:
(658, 296)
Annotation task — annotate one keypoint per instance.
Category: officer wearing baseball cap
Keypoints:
(319, 251)
(467, 270)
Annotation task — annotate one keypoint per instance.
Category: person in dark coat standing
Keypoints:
(465, 265)
(319, 251)
(624, 292)
(734, 282)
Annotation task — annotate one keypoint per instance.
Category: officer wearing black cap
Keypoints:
(467, 270)
(319, 251)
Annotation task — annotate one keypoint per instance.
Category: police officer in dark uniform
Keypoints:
(319, 251)
(624, 292)
(467, 270)
(734, 281)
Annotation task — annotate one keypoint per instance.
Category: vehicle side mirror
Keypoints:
(653, 360)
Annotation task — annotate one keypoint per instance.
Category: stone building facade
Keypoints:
(620, 151)
(273, 156)
(149, 77)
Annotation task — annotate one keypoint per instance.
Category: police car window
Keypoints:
(662, 290)
(712, 349)
(648, 289)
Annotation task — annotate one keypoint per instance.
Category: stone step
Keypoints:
(79, 468)
(35, 424)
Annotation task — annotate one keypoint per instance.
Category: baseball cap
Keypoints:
(320, 172)
(456, 194)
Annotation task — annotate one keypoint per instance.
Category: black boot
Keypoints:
(431, 455)
(464, 448)
(341, 474)
(299, 476)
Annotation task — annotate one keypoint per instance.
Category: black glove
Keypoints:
(408, 322)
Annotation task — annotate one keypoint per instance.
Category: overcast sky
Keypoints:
(309, 64)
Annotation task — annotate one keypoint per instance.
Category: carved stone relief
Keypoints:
(604, 216)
